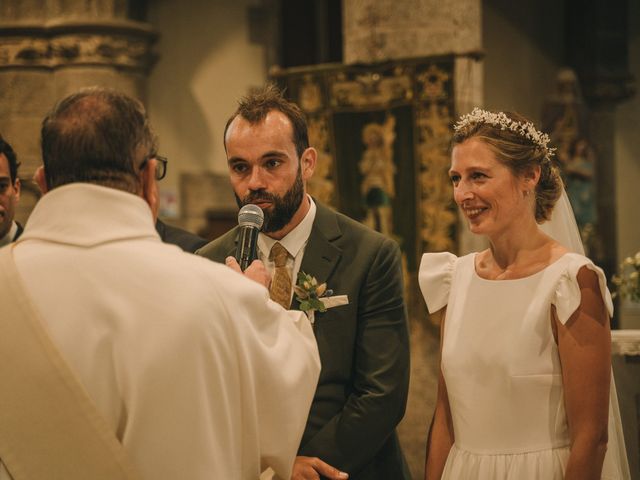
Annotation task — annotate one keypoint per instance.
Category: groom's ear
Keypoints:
(308, 163)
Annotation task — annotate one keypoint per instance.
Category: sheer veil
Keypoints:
(563, 228)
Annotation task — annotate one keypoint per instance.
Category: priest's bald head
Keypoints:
(100, 136)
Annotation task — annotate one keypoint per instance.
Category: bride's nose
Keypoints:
(462, 192)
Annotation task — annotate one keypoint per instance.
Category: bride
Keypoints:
(524, 389)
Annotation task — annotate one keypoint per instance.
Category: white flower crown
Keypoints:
(524, 129)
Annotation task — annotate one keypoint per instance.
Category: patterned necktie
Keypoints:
(280, 289)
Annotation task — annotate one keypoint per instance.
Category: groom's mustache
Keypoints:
(260, 196)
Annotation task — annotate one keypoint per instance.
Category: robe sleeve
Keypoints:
(434, 278)
(279, 367)
(567, 294)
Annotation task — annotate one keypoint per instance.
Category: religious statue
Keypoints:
(378, 170)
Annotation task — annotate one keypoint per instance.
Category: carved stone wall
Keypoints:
(49, 49)
(378, 30)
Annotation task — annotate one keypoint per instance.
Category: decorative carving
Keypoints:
(310, 95)
(48, 48)
(321, 185)
(370, 88)
(432, 83)
(310, 99)
(438, 215)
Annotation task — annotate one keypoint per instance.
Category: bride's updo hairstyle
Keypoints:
(518, 145)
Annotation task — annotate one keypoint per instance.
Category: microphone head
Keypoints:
(251, 215)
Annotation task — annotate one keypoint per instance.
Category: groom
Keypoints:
(362, 337)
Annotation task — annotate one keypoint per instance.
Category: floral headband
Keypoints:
(524, 129)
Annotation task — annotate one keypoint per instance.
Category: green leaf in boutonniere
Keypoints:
(308, 293)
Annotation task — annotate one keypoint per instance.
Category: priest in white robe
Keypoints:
(197, 372)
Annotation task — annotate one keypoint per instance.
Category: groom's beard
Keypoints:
(282, 209)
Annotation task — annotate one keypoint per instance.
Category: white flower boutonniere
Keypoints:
(309, 293)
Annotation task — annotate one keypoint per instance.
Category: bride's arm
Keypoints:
(584, 343)
(440, 436)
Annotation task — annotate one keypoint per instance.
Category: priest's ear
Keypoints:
(150, 186)
(40, 178)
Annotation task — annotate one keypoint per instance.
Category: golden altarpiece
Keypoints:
(382, 132)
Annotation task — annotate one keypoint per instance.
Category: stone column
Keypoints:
(50, 48)
(381, 30)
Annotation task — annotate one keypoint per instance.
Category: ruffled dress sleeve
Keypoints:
(434, 278)
(567, 294)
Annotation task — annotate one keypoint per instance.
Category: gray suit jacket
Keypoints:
(364, 347)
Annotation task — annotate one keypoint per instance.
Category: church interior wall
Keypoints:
(523, 43)
(627, 145)
(206, 63)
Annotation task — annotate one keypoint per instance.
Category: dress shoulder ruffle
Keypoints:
(434, 278)
(567, 296)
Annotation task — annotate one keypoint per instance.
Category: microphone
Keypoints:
(250, 220)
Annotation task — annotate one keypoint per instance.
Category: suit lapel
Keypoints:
(321, 255)
(18, 232)
(234, 245)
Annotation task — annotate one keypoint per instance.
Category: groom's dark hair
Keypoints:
(255, 106)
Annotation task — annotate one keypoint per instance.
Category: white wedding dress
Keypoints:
(502, 369)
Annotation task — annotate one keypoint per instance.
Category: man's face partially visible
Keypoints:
(9, 196)
(265, 170)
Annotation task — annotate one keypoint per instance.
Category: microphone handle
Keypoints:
(246, 250)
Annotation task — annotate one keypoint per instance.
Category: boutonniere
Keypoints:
(309, 293)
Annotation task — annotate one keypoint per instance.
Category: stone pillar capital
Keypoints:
(124, 44)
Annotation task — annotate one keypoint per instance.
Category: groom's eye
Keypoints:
(272, 163)
(239, 168)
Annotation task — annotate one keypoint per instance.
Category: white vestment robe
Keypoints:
(199, 373)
